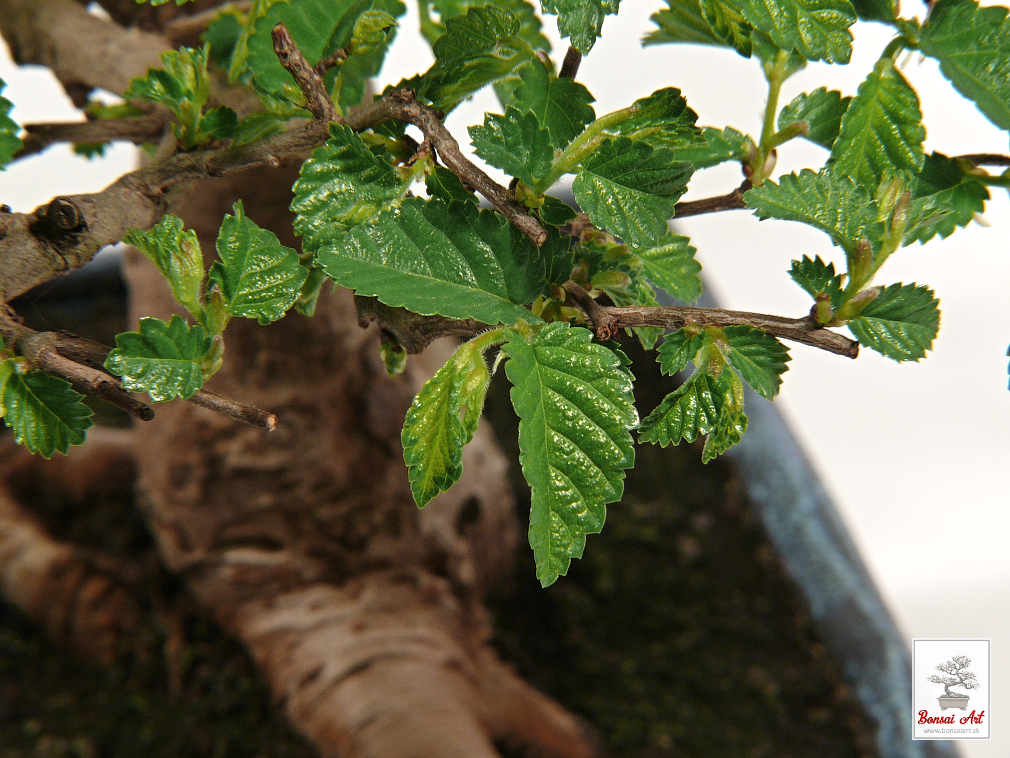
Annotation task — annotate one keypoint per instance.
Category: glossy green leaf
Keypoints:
(258, 276)
(320, 28)
(576, 411)
(432, 257)
(900, 323)
(44, 412)
(679, 350)
(10, 143)
(342, 184)
(815, 276)
(834, 204)
(973, 47)
(759, 358)
(719, 146)
(479, 48)
(445, 185)
(630, 189)
(556, 212)
(729, 430)
(821, 110)
(441, 420)
(581, 20)
(682, 21)
(176, 253)
(562, 106)
(515, 143)
(671, 265)
(163, 360)
(881, 132)
(663, 120)
(816, 29)
(529, 21)
(944, 198)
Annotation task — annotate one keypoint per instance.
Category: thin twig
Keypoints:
(730, 201)
(247, 414)
(606, 320)
(138, 130)
(985, 159)
(570, 67)
(404, 107)
(330, 61)
(309, 81)
(412, 331)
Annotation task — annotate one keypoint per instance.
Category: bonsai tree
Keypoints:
(267, 150)
(956, 674)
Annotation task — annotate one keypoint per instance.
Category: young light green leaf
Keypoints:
(720, 145)
(320, 28)
(815, 276)
(728, 24)
(671, 265)
(342, 184)
(759, 358)
(663, 120)
(816, 29)
(44, 412)
(944, 197)
(432, 257)
(581, 20)
(973, 47)
(900, 323)
(881, 132)
(829, 202)
(163, 360)
(441, 420)
(176, 253)
(678, 350)
(821, 110)
(10, 143)
(515, 143)
(630, 189)
(683, 21)
(258, 276)
(729, 430)
(562, 106)
(529, 21)
(576, 411)
(479, 48)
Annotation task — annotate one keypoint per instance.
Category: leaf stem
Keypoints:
(775, 75)
(583, 146)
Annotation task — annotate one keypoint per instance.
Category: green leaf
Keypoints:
(10, 143)
(576, 411)
(182, 86)
(432, 257)
(682, 21)
(342, 184)
(529, 21)
(728, 24)
(44, 412)
(759, 358)
(881, 132)
(441, 420)
(822, 110)
(678, 350)
(973, 47)
(581, 20)
(834, 204)
(238, 68)
(219, 123)
(480, 48)
(663, 120)
(176, 253)
(562, 106)
(258, 276)
(944, 197)
(515, 143)
(720, 145)
(320, 28)
(876, 10)
(257, 126)
(729, 430)
(556, 212)
(816, 29)
(815, 276)
(671, 265)
(445, 185)
(900, 323)
(163, 360)
(630, 189)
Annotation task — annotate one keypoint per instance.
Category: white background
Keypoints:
(914, 454)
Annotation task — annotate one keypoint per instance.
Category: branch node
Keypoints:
(309, 80)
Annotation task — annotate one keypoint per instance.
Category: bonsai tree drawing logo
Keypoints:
(956, 675)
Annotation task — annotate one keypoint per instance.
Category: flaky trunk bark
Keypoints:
(363, 612)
